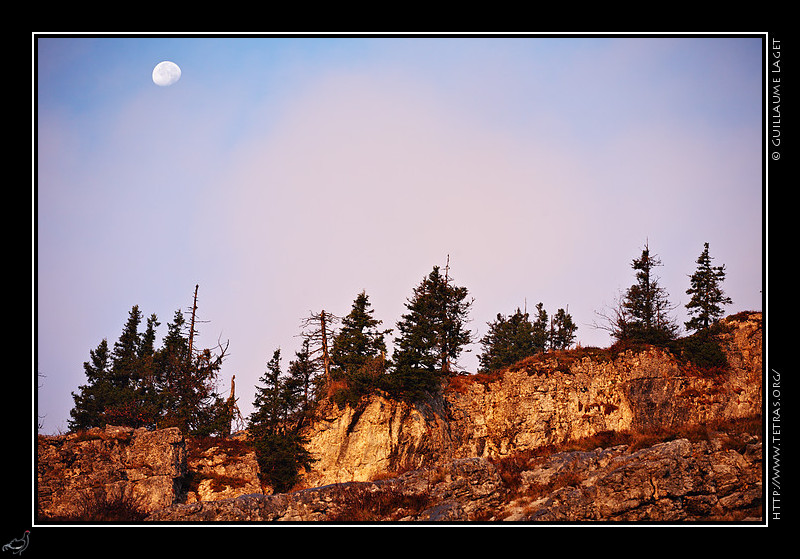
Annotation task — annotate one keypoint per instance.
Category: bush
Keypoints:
(702, 350)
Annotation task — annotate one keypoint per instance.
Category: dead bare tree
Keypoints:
(237, 420)
(195, 388)
(318, 329)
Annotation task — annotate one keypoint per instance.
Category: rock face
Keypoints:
(543, 401)
(448, 459)
(220, 469)
(115, 466)
(381, 436)
(457, 491)
(716, 478)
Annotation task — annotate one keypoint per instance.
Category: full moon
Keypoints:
(166, 73)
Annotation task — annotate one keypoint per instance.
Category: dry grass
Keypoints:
(510, 468)
(564, 479)
(364, 503)
(234, 448)
(99, 507)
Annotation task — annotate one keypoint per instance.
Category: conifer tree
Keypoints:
(319, 331)
(300, 386)
(136, 385)
(187, 380)
(147, 396)
(359, 347)
(114, 377)
(643, 315)
(433, 334)
(125, 357)
(707, 297)
(562, 330)
(540, 333)
(508, 340)
(93, 397)
(279, 446)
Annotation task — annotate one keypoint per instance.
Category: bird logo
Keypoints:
(18, 545)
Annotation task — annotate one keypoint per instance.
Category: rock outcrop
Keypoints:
(220, 468)
(448, 459)
(453, 492)
(137, 469)
(715, 478)
(545, 400)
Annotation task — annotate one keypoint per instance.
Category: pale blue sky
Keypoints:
(285, 175)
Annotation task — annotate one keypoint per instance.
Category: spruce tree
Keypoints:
(643, 315)
(147, 387)
(706, 293)
(172, 364)
(93, 397)
(433, 334)
(187, 381)
(508, 340)
(136, 385)
(359, 348)
(279, 446)
(562, 330)
(300, 386)
(540, 332)
(114, 376)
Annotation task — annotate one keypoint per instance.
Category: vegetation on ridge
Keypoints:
(137, 385)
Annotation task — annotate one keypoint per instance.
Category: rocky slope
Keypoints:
(89, 474)
(571, 436)
(544, 400)
(714, 478)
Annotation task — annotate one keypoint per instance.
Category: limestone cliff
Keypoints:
(85, 474)
(713, 477)
(489, 448)
(545, 400)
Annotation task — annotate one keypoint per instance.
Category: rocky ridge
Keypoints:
(714, 478)
(477, 454)
(545, 400)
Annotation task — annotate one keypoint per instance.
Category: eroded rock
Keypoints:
(117, 466)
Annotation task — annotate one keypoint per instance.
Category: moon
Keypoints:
(166, 73)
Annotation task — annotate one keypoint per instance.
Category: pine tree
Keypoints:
(706, 293)
(279, 446)
(432, 336)
(508, 340)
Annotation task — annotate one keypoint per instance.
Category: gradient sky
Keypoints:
(286, 175)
